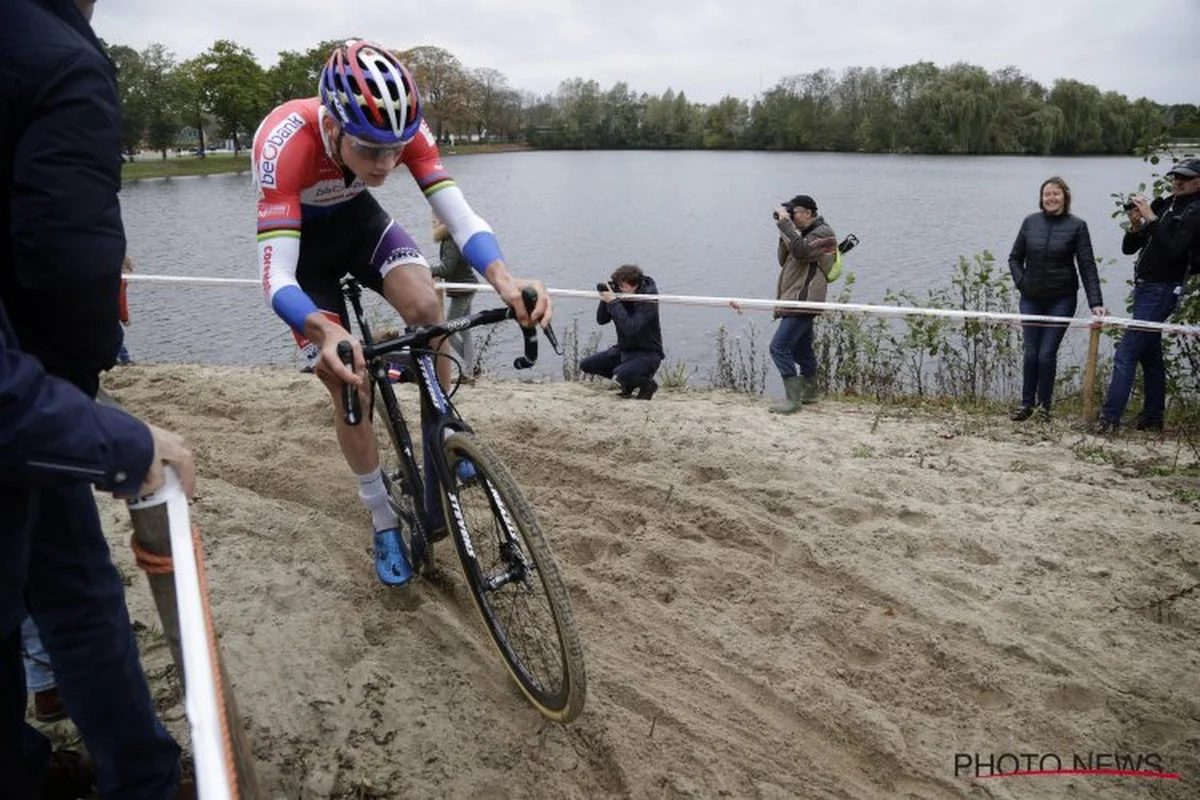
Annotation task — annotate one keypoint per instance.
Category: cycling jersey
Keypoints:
(301, 189)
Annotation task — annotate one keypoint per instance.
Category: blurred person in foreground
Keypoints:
(61, 246)
(1165, 234)
(1052, 252)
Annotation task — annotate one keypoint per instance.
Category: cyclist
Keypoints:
(313, 160)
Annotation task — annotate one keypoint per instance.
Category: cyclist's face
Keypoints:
(370, 162)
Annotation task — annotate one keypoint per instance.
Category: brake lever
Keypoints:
(552, 338)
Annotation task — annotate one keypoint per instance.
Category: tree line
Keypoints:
(917, 108)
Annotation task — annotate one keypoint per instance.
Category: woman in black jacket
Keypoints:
(1052, 252)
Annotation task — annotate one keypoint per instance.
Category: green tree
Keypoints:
(159, 89)
(189, 89)
(134, 112)
(442, 83)
(234, 88)
(725, 123)
(295, 74)
(1081, 130)
(485, 97)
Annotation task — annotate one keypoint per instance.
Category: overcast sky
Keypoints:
(710, 48)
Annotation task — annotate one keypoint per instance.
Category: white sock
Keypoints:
(374, 496)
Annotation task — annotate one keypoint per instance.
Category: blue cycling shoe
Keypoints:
(465, 470)
(391, 560)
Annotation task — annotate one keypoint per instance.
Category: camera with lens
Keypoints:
(847, 244)
(1129, 205)
(607, 287)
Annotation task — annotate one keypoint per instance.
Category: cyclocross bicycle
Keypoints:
(513, 577)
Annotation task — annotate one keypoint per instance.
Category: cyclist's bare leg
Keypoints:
(410, 289)
(357, 442)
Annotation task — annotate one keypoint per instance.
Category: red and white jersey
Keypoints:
(299, 180)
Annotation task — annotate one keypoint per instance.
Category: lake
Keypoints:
(698, 222)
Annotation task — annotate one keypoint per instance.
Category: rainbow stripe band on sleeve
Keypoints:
(266, 232)
(436, 181)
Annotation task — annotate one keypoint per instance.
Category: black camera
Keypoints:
(606, 287)
(1129, 205)
(847, 244)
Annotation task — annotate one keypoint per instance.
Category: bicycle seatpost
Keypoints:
(350, 402)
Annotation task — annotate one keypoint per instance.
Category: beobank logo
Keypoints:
(273, 145)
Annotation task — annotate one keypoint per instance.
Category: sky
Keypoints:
(710, 48)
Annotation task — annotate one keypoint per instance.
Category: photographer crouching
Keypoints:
(634, 359)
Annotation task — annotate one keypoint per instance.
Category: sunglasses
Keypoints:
(373, 152)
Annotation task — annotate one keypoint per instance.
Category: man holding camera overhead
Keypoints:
(806, 253)
(634, 359)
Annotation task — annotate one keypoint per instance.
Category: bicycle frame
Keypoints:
(439, 418)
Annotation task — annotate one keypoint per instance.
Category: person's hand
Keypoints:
(1099, 311)
(169, 448)
(329, 364)
(781, 213)
(510, 292)
(1142, 206)
(607, 296)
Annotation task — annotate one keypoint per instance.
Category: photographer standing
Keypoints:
(1165, 234)
(806, 253)
(634, 359)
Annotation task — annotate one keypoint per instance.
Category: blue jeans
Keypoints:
(1041, 341)
(630, 368)
(38, 675)
(75, 595)
(792, 344)
(1153, 302)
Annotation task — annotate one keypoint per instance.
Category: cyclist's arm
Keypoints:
(471, 233)
(279, 227)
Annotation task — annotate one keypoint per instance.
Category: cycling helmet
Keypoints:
(370, 93)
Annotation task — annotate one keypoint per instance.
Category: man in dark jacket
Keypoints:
(634, 359)
(61, 244)
(1165, 234)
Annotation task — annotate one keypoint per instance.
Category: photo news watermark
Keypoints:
(1015, 765)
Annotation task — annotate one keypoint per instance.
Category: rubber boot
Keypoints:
(791, 403)
(808, 389)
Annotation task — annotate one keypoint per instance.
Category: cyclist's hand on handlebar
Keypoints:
(542, 311)
(330, 361)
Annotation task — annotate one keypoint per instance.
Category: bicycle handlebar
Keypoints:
(353, 408)
(422, 335)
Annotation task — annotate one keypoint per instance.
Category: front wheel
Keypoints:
(514, 579)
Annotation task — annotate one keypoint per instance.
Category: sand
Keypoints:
(832, 604)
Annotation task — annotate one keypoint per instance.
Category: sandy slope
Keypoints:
(832, 604)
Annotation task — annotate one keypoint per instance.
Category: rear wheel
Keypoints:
(514, 579)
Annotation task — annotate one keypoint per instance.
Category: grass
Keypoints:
(213, 164)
